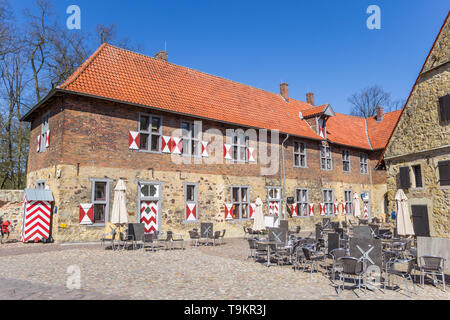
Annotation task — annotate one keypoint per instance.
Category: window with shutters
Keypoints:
(444, 173)
(328, 200)
(150, 132)
(364, 163)
(417, 176)
(348, 197)
(405, 182)
(44, 131)
(302, 196)
(100, 200)
(444, 107)
(239, 145)
(299, 154)
(346, 160)
(191, 199)
(191, 138)
(240, 198)
(325, 158)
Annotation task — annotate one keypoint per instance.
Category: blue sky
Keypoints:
(318, 46)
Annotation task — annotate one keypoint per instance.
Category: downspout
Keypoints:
(284, 179)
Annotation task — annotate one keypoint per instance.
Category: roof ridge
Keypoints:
(203, 72)
(367, 134)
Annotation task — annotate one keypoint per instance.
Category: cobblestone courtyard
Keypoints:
(37, 271)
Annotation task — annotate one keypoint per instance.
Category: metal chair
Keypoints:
(353, 267)
(148, 238)
(251, 248)
(312, 257)
(216, 237)
(335, 255)
(391, 270)
(432, 265)
(222, 236)
(195, 237)
(105, 237)
(177, 238)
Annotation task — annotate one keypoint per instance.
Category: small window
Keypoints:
(191, 139)
(444, 107)
(405, 181)
(40, 184)
(302, 196)
(100, 200)
(325, 158)
(44, 131)
(241, 204)
(299, 154)
(444, 173)
(348, 198)
(364, 163)
(417, 176)
(346, 160)
(191, 199)
(150, 133)
(328, 200)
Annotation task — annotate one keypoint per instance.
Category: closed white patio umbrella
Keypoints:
(356, 206)
(404, 224)
(258, 223)
(119, 213)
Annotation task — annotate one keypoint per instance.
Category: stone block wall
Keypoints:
(11, 206)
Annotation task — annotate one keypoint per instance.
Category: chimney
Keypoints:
(310, 98)
(284, 91)
(162, 55)
(379, 113)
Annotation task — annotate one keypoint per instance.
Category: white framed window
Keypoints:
(150, 132)
(100, 200)
(191, 201)
(191, 139)
(326, 162)
(239, 147)
(348, 201)
(44, 130)
(300, 154)
(302, 199)
(328, 200)
(274, 200)
(346, 161)
(364, 163)
(240, 198)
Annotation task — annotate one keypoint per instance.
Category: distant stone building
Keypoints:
(417, 156)
(191, 148)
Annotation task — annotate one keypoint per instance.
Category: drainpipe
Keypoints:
(283, 209)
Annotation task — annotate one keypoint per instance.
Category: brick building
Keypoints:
(417, 157)
(188, 143)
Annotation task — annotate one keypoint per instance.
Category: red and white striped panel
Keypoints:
(133, 140)
(294, 209)
(322, 209)
(47, 138)
(37, 221)
(252, 210)
(227, 152)
(336, 209)
(205, 149)
(275, 208)
(311, 209)
(366, 211)
(322, 128)
(344, 208)
(228, 212)
(166, 144)
(251, 154)
(38, 143)
(191, 212)
(149, 215)
(86, 214)
(176, 145)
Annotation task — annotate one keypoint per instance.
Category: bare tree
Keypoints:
(108, 34)
(6, 43)
(366, 101)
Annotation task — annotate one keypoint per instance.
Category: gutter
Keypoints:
(283, 209)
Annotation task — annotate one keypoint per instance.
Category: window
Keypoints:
(44, 130)
(150, 133)
(444, 107)
(348, 199)
(40, 184)
(417, 176)
(325, 158)
(405, 181)
(444, 173)
(191, 199)
(240, 197)
(191, 139)
(346, 160)
(100, 200)
(274, 200)
(239, 147)
(299, 154)
(302, 197)
(364, 163)
(328, 200)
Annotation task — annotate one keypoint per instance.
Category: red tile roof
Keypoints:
(122, 75)
(379, 132)
(313, 111)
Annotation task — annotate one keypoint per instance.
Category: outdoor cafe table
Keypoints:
(268, 244)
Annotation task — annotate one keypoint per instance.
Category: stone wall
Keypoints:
(11, 206)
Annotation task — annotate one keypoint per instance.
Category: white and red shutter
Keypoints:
(38, 143)
(191, 212)
(166, 144)
(37, 220)
(228, 211)
(322, 209)
(133, 140)
(336, 209)
(252, 210)
(205, 148)
(47, 138)
(322, 128)
(294, 209)
(275, 208)
(149, 214)
(366, 211)
(176, 145)
(251, 154)
(86, 214)
(343, 208)
(311, 209)
(227, 152)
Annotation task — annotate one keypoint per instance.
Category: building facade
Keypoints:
(193, 147)
(417, 156)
